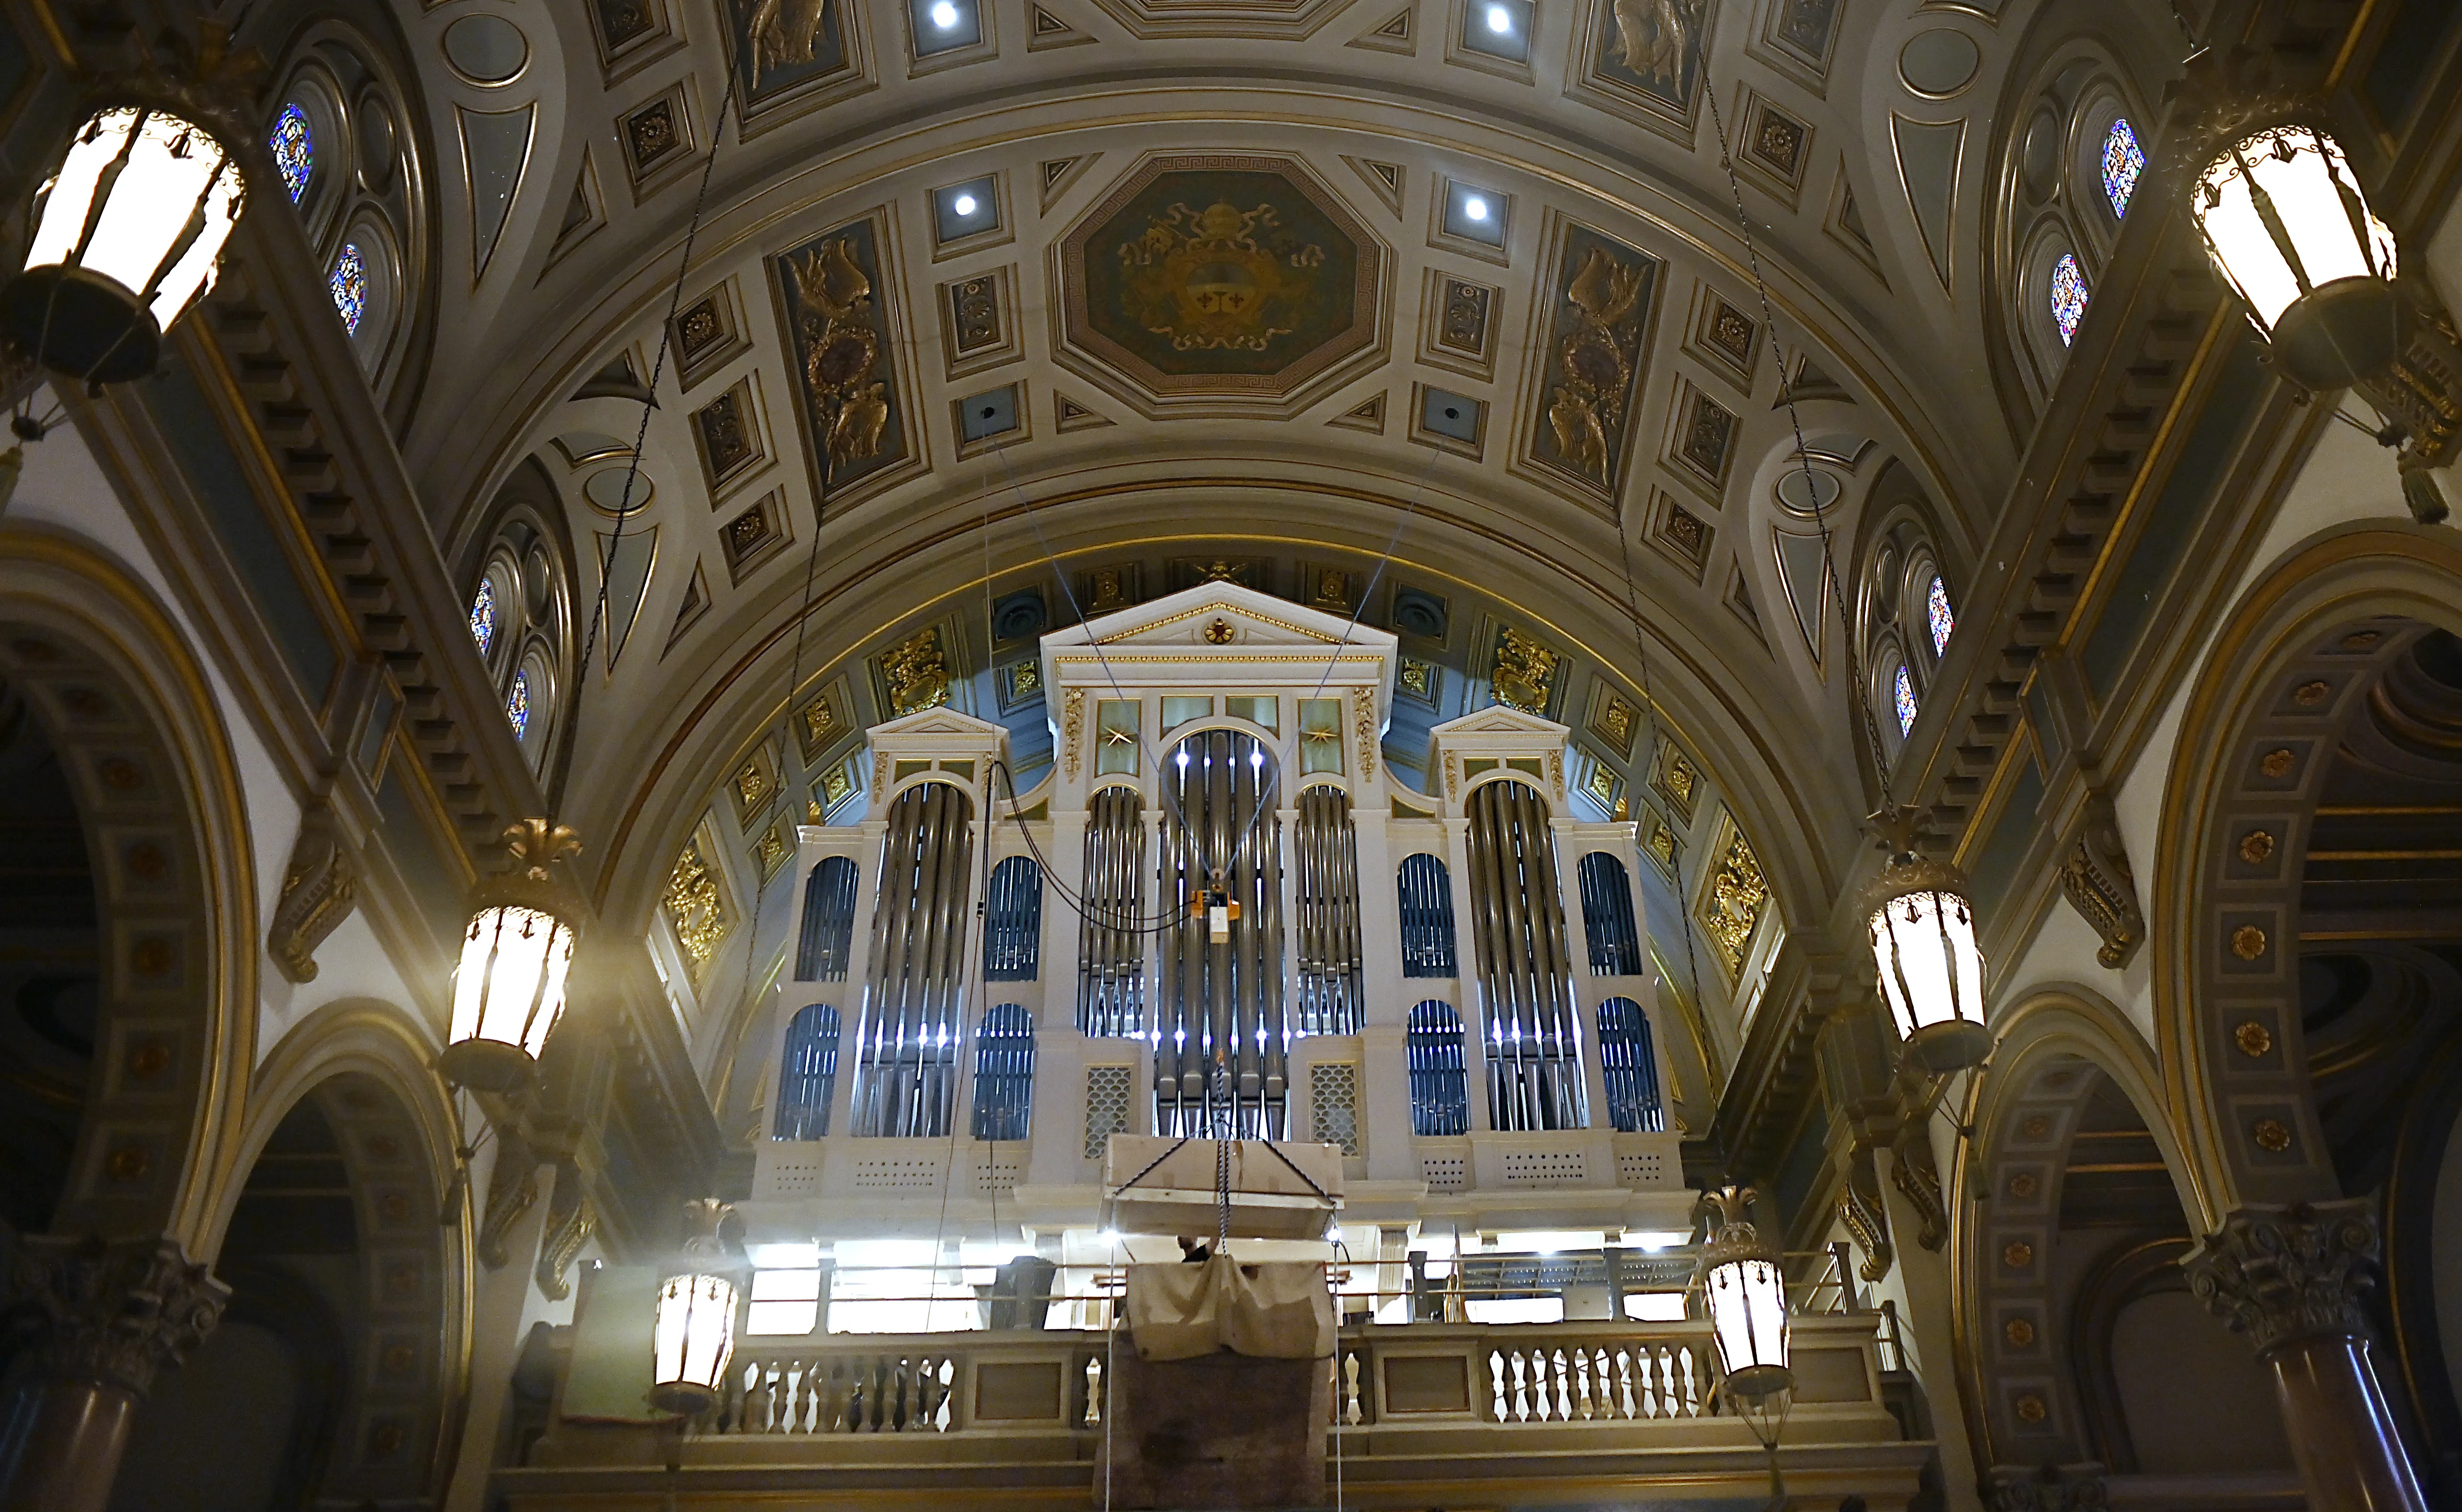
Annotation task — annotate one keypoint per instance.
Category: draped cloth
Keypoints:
(1275, 1311)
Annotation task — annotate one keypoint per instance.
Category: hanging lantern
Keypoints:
(128, 231)
(694, 1335)
(1922, 929)
(1747, 1297)
(508, 990)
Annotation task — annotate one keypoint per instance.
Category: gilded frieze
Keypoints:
(695, 907)
(1523, 675)
(1643, 59)
(848, 386)
(785, 47)
(915, 674)
(1590, 379)
(1732, 908)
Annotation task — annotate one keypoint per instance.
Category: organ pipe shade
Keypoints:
(1221, 1036)
(1607, 917)
(1747, 1300)
(808, 1074)
(1427, 900)
(828, 934)
(1532, 1038)
(1629, 1065)
(1013, 922)
(1922, 931)
(906, 1061)
(2286, 224)
(1439, 1085)
(1325, 851)
(509, 989)
(1111, 937)
(128, 234)
(1003, 1072)
(692, 1336)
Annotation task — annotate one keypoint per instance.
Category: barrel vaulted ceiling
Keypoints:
(1226, 296)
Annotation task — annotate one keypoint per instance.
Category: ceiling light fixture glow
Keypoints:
(1475, 207)
(944, 16)
(1499, 20)
(964, 204)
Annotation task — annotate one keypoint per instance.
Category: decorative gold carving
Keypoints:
(917, 672)
(1597, 357)
(1865, 1217)
(820, 723)
(1416, 678)
(2030, 1408)
(2253, 1038)
(1072, 724)
(571, 1221)
(512, 1190)
(840, 349)
(1918, 1180)
(1219, 632)
(2019, 1332)
(695, 907)
(2308, 695)
(2275, 763)
(1363, 719)
(2037, 1127)
(1737, 893)
(2255, 847)
(785, 33)
(1614, 724)
(751, 786)
(2017, 1254)
(127, 1163)
(835, 784)
(2283, 1273)
(2248, 941)
(1201, 279)
(2023, 1185)
(1556, 771)
(1655, 36)
(1453, 775)
(319, 888)
(2097, 880)
(2361, 640)
(147, 1059)
(1524, 672)
(2271, 1135)
(879, 770)
(771, 852)
(1678, 781)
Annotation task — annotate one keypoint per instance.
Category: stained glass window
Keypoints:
(1904, 689)
(1936, 609)
(2069, 297)
(517, 704)
(350, 286)
(483, 615)
(2123, 160)
(293, 152)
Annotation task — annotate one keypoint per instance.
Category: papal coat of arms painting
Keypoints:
(1233, 275)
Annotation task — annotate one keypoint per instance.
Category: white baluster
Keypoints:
(1521, 1388)
(1496, 1381)
(1582, 1382)
(1564, 1388)
(1093, 1417)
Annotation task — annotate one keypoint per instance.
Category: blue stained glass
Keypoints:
(483, 615)
(1936, 609)
(1905, 690)
(294, 152)
(517, 704)
(2123, 160)
(349, 283)
(2069, 297)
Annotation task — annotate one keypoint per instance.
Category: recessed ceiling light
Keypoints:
(944, 16)
(1475, 207)
(1499, 20)
(964, 204)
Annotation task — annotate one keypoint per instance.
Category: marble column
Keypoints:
(111, 1314)
(2290, 1278)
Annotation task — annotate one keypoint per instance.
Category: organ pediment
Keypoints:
(1217, 634)
(1498, 739)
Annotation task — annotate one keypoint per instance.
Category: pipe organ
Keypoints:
(1214, 911)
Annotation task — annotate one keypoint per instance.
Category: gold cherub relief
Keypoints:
(840, 349)
(1596, 366)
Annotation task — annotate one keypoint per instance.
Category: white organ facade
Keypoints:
(1217, 910)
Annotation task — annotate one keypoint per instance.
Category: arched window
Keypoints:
(483, 617)
(2123, 160)
(1902, 698)
(808, 1074)
(1427, 918)
(349, 284)
(829, 922)
(1003, 1072)
(1630, 1068)
(1607, 917)
(1904, 608)
(1941, 621)
(517, 704)
(295, 149)
(1439, 1084)
(1013, 922)
(520, 623)
(2068, 295)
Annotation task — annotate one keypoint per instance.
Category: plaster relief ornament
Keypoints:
(785, 31)
(840, 349)
(1596, 363)
(1219, 279)
(1655, 37)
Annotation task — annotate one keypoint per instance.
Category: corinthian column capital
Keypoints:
(116, 1312)
(2278, 1274)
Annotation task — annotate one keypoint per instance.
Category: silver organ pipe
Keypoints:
(1111, 948)
(1221, 1038)
(906, 1067)
(1326, 849)
(1533, 1039)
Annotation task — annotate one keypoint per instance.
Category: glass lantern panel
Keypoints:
(2123, 160)
(294, 150)
(2069, 297)
(349, 283)
(1937, 612)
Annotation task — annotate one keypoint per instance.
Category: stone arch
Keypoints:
(2067, 1232)
(2290, 672)
(366, 1070)
(108, 677)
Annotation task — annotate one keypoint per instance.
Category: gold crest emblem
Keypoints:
(1222, 278)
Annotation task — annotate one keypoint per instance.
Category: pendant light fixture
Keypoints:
(1922, 929)
(693, 1337)
(129, 227)
(508, 990)
(1746, 1293)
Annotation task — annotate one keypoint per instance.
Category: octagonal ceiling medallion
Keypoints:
(1229, 277)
